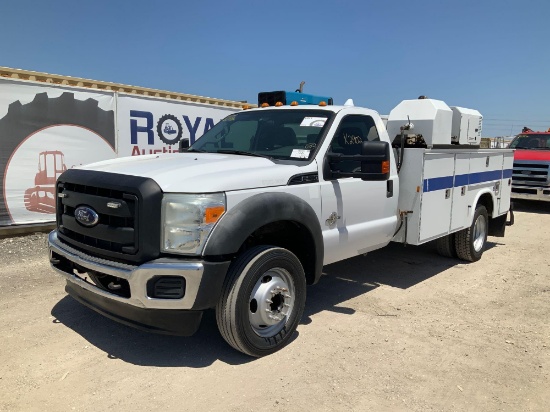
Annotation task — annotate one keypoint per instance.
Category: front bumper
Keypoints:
(203, 283)
(531, 193)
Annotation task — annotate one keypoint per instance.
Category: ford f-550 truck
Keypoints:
(247, 216)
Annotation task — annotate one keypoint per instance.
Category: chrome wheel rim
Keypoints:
(480, 233)
(271, 302)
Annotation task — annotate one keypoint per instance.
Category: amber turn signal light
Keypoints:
(212, 214)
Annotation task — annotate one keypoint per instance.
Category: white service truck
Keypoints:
(247, 216)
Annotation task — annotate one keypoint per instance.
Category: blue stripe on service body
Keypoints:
(461, 180)
(484, 177)
(447, 182)
(438, 183)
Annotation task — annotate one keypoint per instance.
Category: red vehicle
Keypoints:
(41, 197)
(531, 177)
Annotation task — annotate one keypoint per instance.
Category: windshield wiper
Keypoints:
(243, 153)
(195, 150)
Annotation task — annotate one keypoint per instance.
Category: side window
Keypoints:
(373, 133)
(352, 132)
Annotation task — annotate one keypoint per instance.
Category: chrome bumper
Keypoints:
(531, 193)
(137, 276)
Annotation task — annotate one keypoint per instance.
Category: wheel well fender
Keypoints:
(280, 219)
(486, 198)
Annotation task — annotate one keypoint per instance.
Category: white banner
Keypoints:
(148, 125)
(45, 130)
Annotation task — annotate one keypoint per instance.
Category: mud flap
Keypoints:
(511, 221)
(497, 226)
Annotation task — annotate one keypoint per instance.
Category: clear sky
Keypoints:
(493, 55)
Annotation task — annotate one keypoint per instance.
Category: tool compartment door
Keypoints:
(435, 214)
(462, 198)
(485, 173)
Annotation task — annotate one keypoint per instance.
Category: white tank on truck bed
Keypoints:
(431, 118)
(466, 126)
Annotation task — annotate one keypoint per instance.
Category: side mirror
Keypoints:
(183, 145)
(376, 162)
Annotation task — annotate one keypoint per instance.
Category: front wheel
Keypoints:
(470, 242)
(262, 300)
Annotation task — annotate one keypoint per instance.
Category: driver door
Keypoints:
(357, 216)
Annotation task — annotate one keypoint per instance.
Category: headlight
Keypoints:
(188, 219)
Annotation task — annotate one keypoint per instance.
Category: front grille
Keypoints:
(530, 174)
(116, 229)
(128, 210)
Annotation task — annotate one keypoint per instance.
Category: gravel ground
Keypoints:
(397, 329)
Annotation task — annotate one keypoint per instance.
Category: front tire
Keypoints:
(470, 242)
(262, 300)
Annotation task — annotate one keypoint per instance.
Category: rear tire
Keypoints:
(446, 245)
(262, 301)
(470, 242)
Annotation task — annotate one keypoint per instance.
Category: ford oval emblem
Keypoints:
(86, 216)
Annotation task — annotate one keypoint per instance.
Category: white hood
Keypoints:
(203, 172)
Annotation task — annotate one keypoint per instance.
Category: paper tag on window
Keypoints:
(314, 121)
(300, 153)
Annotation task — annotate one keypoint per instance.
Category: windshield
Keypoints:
(277, 134)
(536, 141)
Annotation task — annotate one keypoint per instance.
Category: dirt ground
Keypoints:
(397, 329)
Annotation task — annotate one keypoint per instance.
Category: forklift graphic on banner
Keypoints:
(41, 197)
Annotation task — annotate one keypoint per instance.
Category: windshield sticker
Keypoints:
(300, 153)
(230, 118)
(314, 121)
